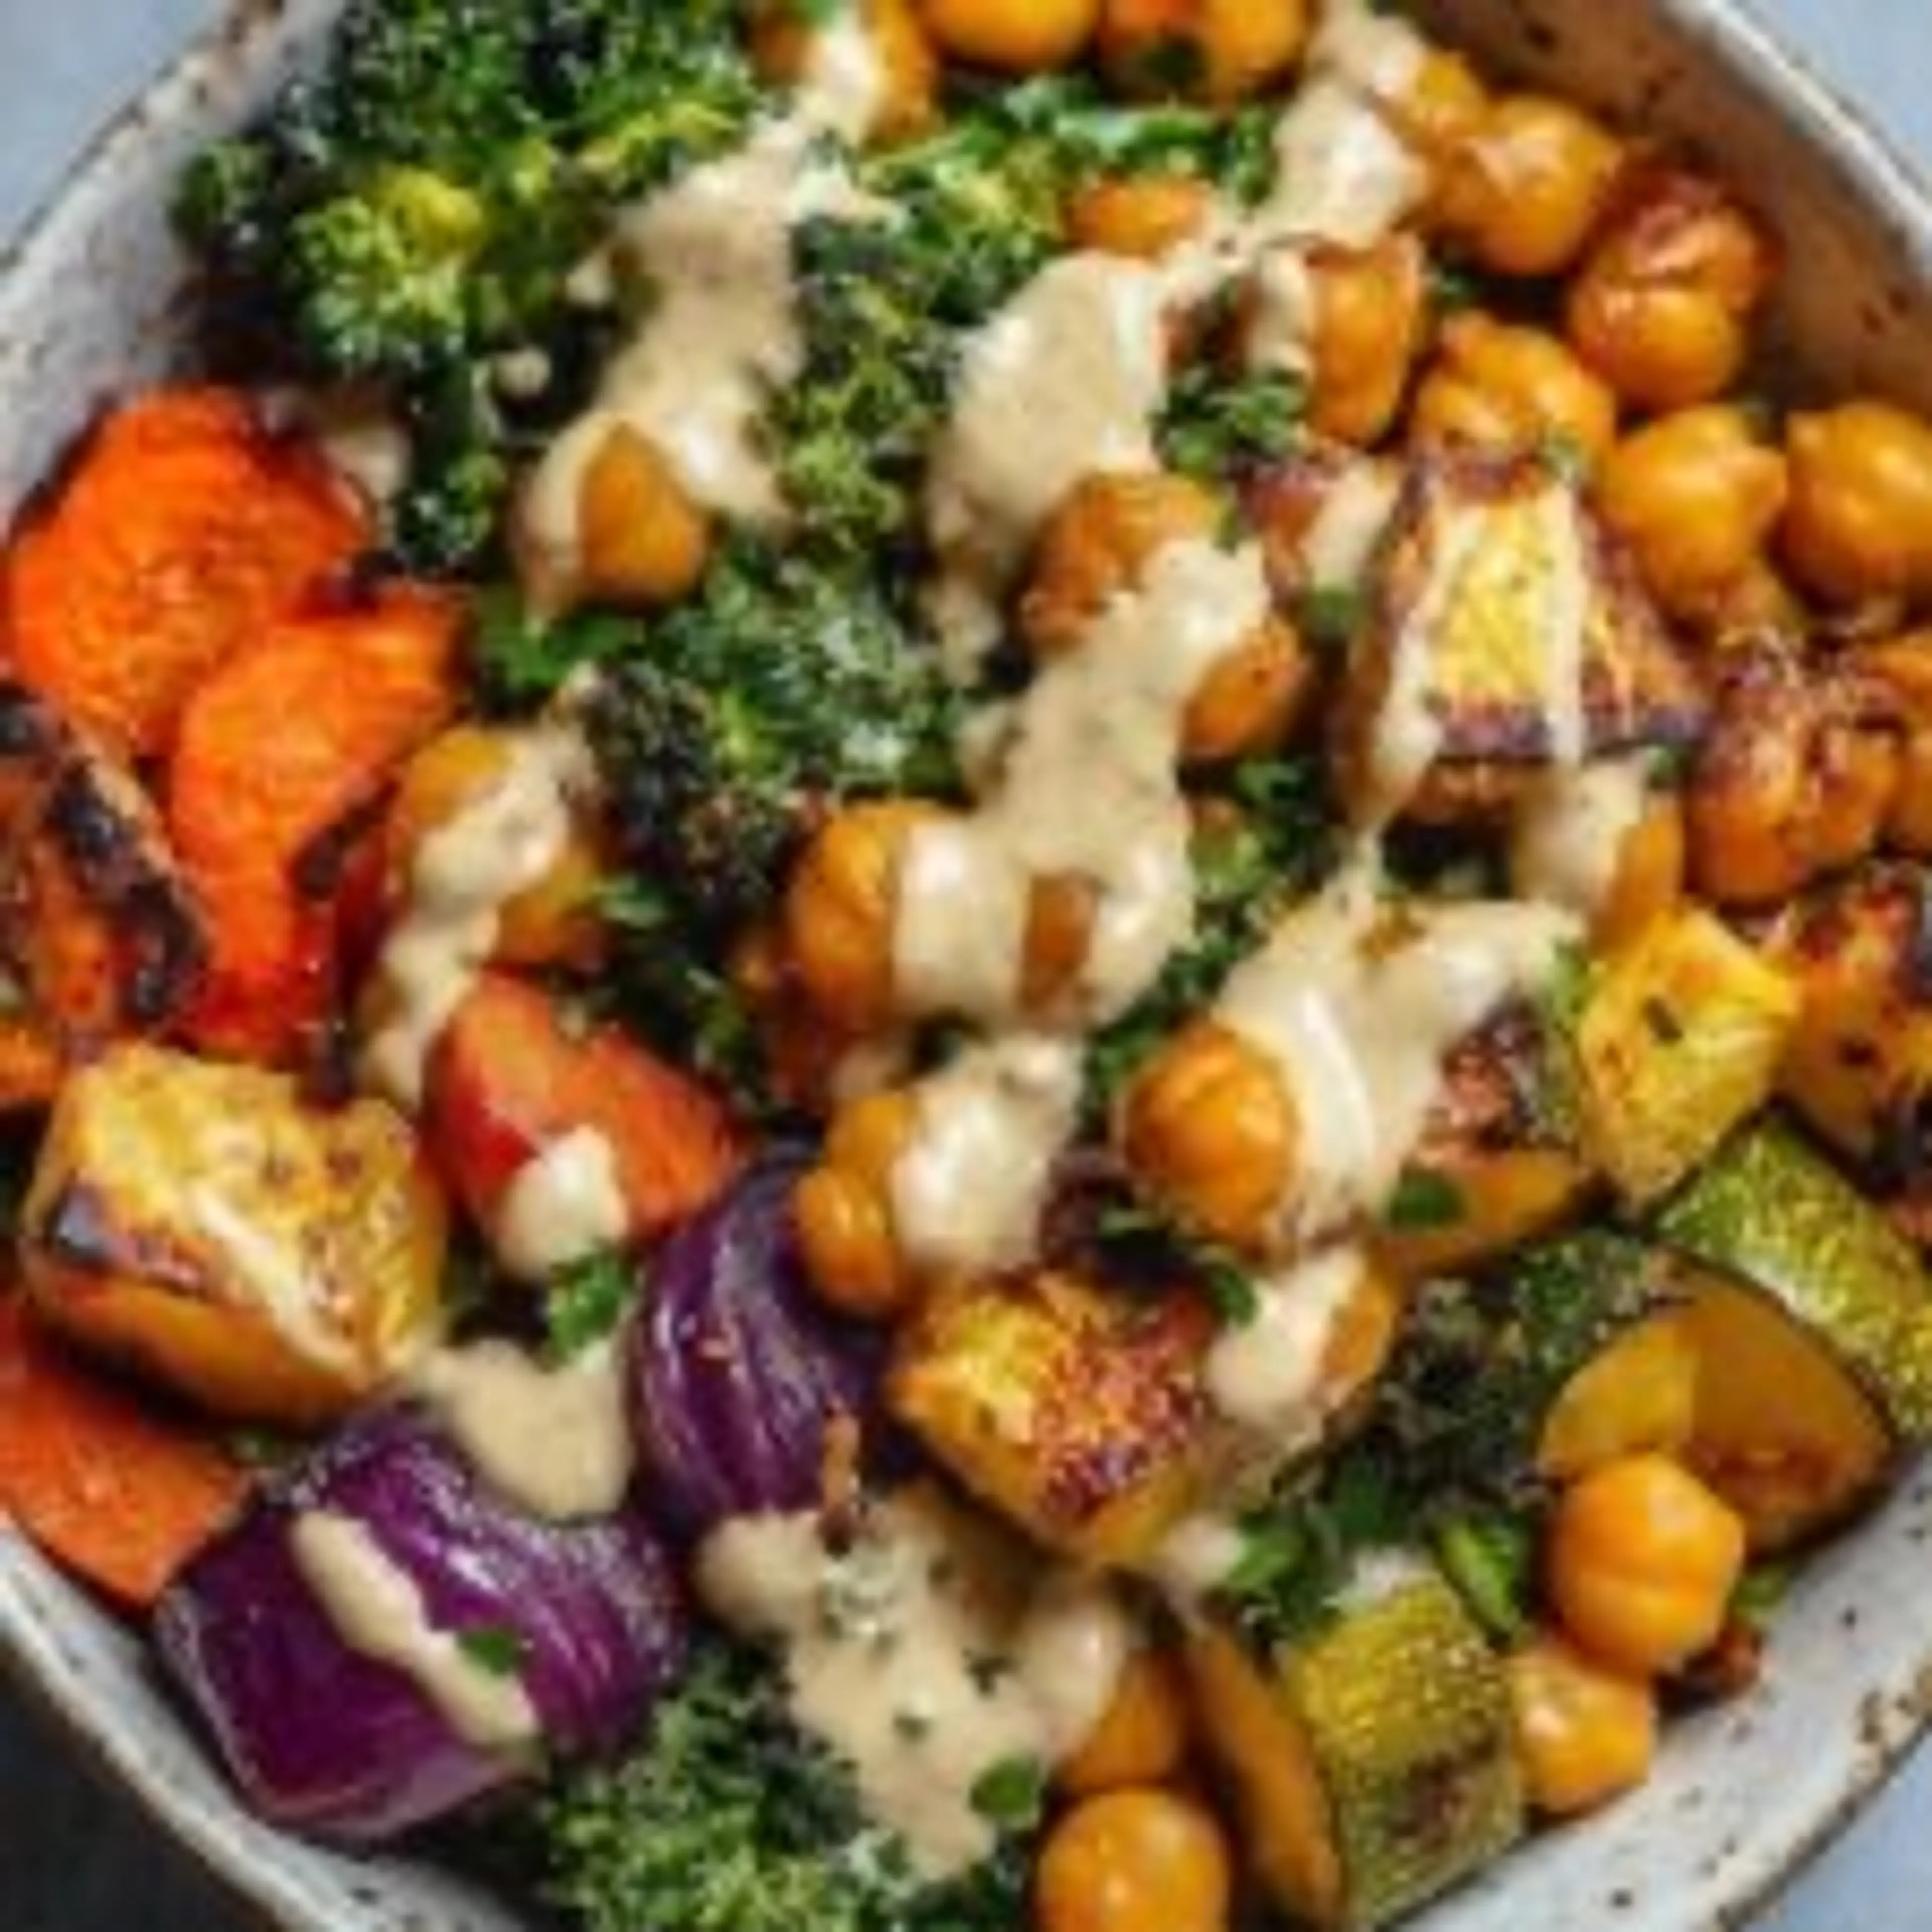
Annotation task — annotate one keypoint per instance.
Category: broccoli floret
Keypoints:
(413, 215)
(379, 279)
(727, 1820)
(780, 687)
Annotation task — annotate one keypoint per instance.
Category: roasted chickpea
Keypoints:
(843, 1210)
(1216, 50)
(1663, 307)
(802, 1054)
(643, 541)
(1252, 700)
(1143, 1737)
(840, 910)
(1210, 1128)
(554, 923)
(1444, 107)
(1499, 386)
(1098, 544)
(1585, 1734)
(783, 37)
(1697, 497)
(1018, 37)
(1139, 217)
(1643, 1559)
(1371, 320)
(1523, 195)
(1859, 526)
(1135, 1862)
(1795, 779)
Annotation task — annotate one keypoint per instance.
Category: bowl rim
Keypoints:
(1876, 170)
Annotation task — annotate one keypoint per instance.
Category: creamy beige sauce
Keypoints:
(1357, 1004)
(1087, 790)
(1286, 313)
(1567, 840)
(1196, 1557)
(500, 845)
(968, 1191)
(712, 258)
(554, 1442)
(1064, 382)
(1409, 732)
(561, 1207)
(377, 1611)
(1338, 547)
(1269, 1375)
(1345, 174)
(846, 86)
(903, 1658)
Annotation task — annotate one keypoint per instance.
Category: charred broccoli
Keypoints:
(412, 217)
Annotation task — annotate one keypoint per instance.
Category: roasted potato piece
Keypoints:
(1680, 1040)
(1448, 710)
(200, 1223)
(99, 930)
(1800, 768)
(1859, 1064)
(1083, 1415)
(1494, 1168)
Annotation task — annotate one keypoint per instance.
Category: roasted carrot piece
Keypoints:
(96, 1478)
(287, 741)
(184, 528)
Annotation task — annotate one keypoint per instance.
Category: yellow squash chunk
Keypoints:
(1374, 1765)
(200, 1223)
(1679, 1042)
(1081, 1415)
(1641, 1392)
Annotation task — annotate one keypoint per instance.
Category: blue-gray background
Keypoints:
(73, 1858)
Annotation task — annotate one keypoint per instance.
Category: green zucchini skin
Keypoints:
(1778, 1217)
(1407, 1711)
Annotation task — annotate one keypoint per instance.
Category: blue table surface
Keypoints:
(77, 1858)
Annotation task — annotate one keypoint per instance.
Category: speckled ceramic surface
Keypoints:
(87, 307)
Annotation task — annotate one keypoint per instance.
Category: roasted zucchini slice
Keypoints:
(1679, 1040)
(1374, 1765)
(1505, 639)
(270, 1262)
(1814, 1333)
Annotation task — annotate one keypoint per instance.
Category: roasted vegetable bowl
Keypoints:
(964, 967)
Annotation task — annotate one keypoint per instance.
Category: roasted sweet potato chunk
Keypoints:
(100, 933)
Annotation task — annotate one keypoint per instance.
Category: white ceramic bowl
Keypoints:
(89, 306)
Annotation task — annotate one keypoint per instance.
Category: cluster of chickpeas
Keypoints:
(1619, 297)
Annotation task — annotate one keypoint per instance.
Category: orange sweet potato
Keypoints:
(95, 1476)
(290, 740)
(184, 527)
